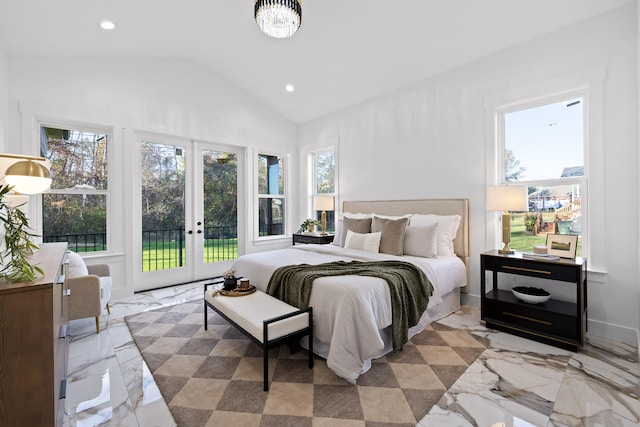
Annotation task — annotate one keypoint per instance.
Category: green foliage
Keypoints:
(307, 223)
(530, 221)
(325, 172)
(17, 244)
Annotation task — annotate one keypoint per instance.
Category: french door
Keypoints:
(189, 211)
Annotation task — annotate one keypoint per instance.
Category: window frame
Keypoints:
(500, 147)
(284, 158)
(314, 184)
(96, 129)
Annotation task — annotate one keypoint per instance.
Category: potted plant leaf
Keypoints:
(308, 225)
(17, 243)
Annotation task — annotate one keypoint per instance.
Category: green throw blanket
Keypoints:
(409, 286)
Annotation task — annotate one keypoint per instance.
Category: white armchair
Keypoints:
(90, 288)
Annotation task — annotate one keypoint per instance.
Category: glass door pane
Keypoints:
(163, 207)
(220, 206)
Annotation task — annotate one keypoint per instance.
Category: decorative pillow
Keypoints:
(357, 225)
(392, 241)
(447, 230)
(369, 242)
(421, 241)
(77, 267)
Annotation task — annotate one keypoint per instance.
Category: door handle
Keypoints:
(199, 223)
(190, 232)
(199, 231)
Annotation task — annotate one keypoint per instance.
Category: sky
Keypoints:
(546, 139)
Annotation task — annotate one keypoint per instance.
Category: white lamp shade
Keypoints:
(26, 175)
(507, 198)
(323, 203)
(27, 184)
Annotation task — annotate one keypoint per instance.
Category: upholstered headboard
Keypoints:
(423, 206)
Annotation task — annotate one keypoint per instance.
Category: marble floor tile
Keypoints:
(514, 383)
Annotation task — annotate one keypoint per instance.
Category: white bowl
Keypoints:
(531, 299)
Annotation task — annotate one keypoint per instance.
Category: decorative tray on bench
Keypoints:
(239, 292)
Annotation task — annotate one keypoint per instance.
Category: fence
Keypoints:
(162, 249)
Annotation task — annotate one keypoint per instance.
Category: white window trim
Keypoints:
(590, 85)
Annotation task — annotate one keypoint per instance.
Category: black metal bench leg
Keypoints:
(265, 352)
(310, 338)
(206, 321)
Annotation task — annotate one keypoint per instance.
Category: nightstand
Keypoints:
(555, 322)
(315, 239)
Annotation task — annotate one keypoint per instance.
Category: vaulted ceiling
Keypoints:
(346, 51)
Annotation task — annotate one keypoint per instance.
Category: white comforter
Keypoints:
(351, 313)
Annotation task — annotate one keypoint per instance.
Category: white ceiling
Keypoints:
(346, 51)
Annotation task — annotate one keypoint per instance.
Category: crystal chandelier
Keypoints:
(278, 18)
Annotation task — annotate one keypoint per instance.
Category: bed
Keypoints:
(352, 314)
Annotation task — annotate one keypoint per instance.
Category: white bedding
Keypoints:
(351, 313)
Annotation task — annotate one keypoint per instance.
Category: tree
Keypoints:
(512, 169)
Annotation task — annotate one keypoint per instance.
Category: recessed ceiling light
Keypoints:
(107, 25)
(289, 88)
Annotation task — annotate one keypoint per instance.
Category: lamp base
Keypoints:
(506, 251)
(323, 221)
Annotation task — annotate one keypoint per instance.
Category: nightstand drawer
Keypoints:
(534, 268)
(532, 318)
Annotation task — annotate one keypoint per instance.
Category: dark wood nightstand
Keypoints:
(555, 322)
(315, 239)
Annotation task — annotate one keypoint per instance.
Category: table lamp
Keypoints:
(324, 204)
(507, 198)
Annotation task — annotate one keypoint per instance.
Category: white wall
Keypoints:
(428, 141)
(166, 97)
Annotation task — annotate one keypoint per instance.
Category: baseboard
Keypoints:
(619, 333)
(470, 300)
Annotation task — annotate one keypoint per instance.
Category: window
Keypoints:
(324, 182)
(74, 210)
(543, 147)
(271, 195)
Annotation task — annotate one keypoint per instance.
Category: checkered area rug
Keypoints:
(214, 377)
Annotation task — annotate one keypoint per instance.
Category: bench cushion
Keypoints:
(249, 311)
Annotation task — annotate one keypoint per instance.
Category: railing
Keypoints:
(162, 249)
(569, 210)
(90, 242)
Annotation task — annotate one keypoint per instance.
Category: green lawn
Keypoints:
(165, 255)
(525, 242)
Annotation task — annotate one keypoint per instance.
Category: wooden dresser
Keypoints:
(34, 343)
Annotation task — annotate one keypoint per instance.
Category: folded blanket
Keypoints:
(409, 288)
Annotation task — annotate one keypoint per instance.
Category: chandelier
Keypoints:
(278, 18)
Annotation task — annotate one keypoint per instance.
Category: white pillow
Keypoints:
(393, 217)
(447, 229)
(337, 238)
(77, 267)
(356, 215)
(421, 241)
(369, 242)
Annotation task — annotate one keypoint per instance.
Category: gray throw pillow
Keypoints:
(393, 231)
(357, 225)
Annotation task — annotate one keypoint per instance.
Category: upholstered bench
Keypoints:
(267, 321)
